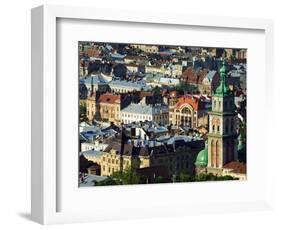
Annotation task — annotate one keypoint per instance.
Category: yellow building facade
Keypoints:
(176, 162)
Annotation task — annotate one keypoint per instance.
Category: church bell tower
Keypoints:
(222, 137)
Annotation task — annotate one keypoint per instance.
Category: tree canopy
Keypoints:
(186, 87)
(120, 71)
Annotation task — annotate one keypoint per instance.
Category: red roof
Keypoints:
(93, 52)
(145, 94)
(236, 166)
(194, 77)
(195, 102)
(109, 98)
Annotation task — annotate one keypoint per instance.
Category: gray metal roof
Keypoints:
(97, 79)
(123, 83)
(145, 109)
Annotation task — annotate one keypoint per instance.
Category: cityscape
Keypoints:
(161, 114)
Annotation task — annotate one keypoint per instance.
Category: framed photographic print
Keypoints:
(140, 114)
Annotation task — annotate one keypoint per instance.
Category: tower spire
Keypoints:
(223, 87)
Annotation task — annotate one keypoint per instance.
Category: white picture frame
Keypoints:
(45, 207)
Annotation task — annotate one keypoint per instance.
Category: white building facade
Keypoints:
(140, 112)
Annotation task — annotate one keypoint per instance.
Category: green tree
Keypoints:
(156, 90)
(185, 177)
(83, 112)
(107, 181)
(159, 179)
(212, 177)
(186, 87)
(127, 176)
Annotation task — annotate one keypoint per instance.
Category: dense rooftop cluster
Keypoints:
(150, 108)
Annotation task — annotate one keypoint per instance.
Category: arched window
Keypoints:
(215, 104)
(218, 150)
(213, 153)
(214, 121)
(186, 111)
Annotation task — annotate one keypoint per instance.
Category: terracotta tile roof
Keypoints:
(145, 94)
(236, 166)
(194, 76)
(195, 102)
(109, 98)
(93, 52)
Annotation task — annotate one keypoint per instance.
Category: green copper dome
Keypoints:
(202, 157)
(222, 89)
